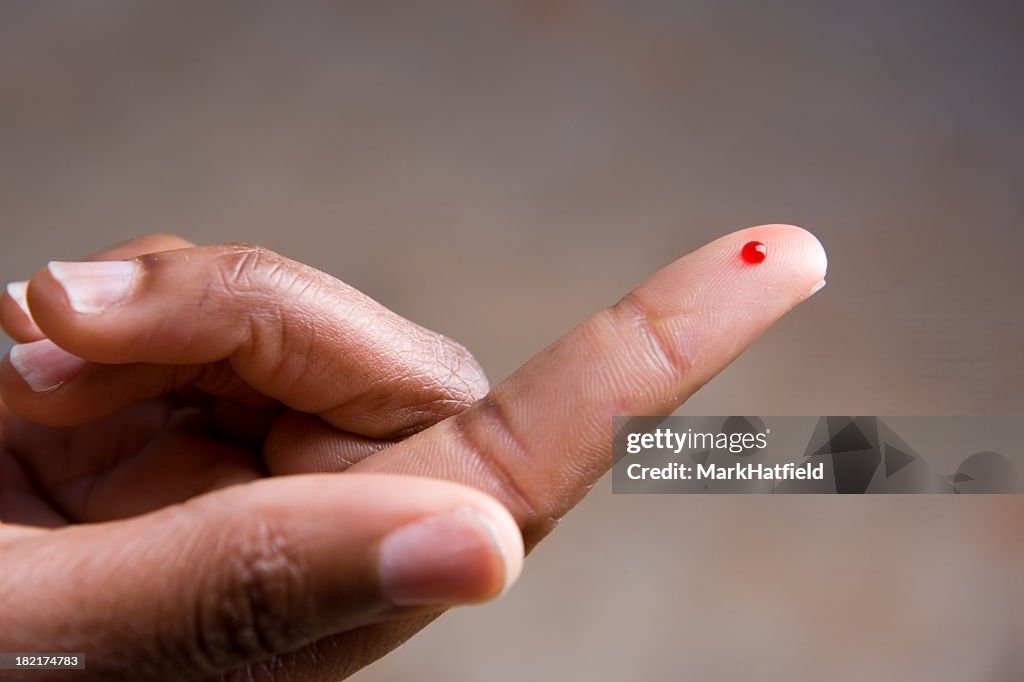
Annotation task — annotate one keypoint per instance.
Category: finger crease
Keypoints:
(485, 455)
(633, 314)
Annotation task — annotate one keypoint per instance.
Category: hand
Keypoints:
(194, 371)
(537, 442)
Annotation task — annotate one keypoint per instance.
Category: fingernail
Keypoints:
(456, 557)
(93, 287)
(44, 366)
(18, 291)
(816, 288)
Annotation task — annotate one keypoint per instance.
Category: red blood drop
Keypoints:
(754, 252)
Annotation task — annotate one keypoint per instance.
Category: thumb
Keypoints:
(240, 575)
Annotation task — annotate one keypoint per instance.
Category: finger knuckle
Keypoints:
(266, 289)
(452, 377)
(244, 268)
(652, 339)
(251, 607)
(428, 377)
(466, 377)
(495, 446)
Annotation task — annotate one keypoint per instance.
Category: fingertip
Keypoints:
(86, 308)
(720, 282)
(15, 315)
(507, 537)
(792, 253)
(46, 299)
(470, 370)
(467, 550)
(459, 556)
(18, 291)
(809, 255)
(44, 366)
(816, 256)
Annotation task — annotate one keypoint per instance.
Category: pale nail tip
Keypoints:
(15, 357)
(18, 291)
(817, 287)
(27, 373)
(58, 268)
(43, 366)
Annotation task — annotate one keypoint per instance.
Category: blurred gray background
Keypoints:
(499, 170)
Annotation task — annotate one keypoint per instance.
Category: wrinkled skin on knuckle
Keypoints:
(657, 349)
(278, 350)
(248, 268)
(415, 376)
(494, 449)
(465, 379)
(269, 295)
(253, 604)
(449, 377)
(282, 319)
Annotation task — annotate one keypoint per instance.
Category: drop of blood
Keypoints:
(754, 252)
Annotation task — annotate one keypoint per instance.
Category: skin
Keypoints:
(147, 517)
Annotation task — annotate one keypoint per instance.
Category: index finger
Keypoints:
(238, 322)
(542, 437)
